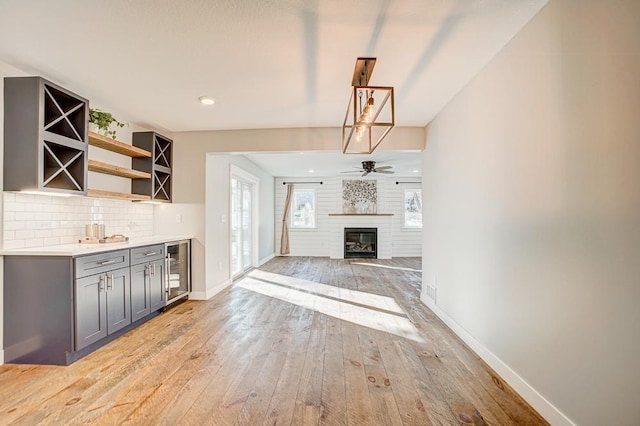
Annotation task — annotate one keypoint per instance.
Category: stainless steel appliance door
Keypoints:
(178, 270)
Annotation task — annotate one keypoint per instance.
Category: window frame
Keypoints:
(292, 225)
(404, 209)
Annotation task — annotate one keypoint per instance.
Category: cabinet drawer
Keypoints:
(147, 254)
(98, 263)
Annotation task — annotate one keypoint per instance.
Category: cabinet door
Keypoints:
(118, 299)
(157, 285)
(91, 310)
(140, 297)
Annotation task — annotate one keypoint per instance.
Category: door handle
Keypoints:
(153, 274)
(107, 262)
(166, 274)
(110, 284)
(101, 284)
(151, 253)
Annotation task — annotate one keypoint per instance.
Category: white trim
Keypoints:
(265, 260)
(1, 356)
(547, 410)
(206, 295)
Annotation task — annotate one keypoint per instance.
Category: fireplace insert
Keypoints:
(360, 243)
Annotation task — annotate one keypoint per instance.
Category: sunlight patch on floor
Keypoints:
(400, 326)
(355, 296)
(377, 265)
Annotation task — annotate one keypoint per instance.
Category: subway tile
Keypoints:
(51, 241)
(14, 225)
(13, 244)
(34, 242)
(25, 234)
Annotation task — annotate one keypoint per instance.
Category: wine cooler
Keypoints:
(178, 268)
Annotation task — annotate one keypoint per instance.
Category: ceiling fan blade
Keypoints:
(352, 171)
(386, 172)
(383, 167)
(364, 174)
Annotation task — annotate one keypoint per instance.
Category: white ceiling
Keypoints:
(268, 64)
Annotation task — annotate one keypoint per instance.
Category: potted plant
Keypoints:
(103, 121)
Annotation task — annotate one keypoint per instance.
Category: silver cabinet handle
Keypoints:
(101, 284)
(110, 284)
(107, 262)
(154, 270)
(147, 270)
(151, 253)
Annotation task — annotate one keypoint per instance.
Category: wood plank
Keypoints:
(385, 408)
(113, 145)
(308, 408)
(99, 193)
(110, 169)
(358, 401)
(333, 398)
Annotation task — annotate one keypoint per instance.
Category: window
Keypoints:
(413, 208)
(303, 208)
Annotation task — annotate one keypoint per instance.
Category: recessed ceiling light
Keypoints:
(311, 171)
(416, 171)
(206, 100)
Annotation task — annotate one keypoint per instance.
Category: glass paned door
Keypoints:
(241, 225)
(246, 225)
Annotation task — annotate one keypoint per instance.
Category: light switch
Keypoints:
(179, 218)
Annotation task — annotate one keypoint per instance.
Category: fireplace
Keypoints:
(360, 243)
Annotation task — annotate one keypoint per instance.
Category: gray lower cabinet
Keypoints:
(58, 309)
(102, 306)
(148, 292)
(157, 290)
(102, 300)
(91, 310)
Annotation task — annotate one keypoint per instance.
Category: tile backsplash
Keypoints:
(42, 220)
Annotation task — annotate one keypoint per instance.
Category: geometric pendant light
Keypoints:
(370, 113)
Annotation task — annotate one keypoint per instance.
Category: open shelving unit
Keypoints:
(116, 146)
(98, 193)
(110, 169)
(121, 148)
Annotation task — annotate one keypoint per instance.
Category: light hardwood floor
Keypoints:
(299, 341)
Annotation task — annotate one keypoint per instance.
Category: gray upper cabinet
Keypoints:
(45, 137)
(159, 186)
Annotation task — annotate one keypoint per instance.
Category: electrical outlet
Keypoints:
(179, 218)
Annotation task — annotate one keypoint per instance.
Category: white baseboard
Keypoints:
(524, 389)
(1, 356)
(206, 295)
(266, 259)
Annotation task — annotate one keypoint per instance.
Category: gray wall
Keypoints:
(532, 223)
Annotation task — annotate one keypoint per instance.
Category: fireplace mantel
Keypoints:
(360, 214)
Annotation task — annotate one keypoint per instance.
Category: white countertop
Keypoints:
(82, 249)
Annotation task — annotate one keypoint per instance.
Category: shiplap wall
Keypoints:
(327, 238)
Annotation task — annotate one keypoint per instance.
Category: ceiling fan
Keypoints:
(370, 167)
